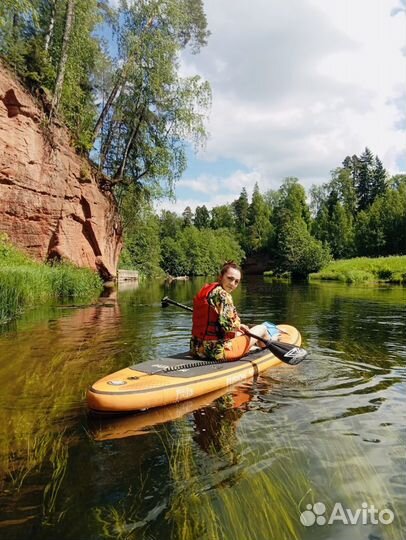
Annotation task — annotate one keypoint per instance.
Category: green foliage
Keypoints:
(199, 252)
(56, 46)
(141, 233)
(291, 203)
(187, 215)
(69, 282)
(299, 252)
(259, 225)
(381, 230)
(17, 18)
(334, 206)
(202, 217)
(240, 207)
(24, 282)
(368, 176)
(150, 111)
(170, 224)
(222, 217)
(174, 258)
(360, 211)
(10, 255)
(78, 102)
(363, 269)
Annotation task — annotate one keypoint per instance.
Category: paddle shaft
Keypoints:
(165, 300)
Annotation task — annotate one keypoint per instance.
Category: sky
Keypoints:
(297, 86)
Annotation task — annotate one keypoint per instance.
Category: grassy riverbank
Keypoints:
(24, 282)
(365, 270)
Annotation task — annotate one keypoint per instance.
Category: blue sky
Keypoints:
(297, 86)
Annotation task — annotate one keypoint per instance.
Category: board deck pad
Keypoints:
(184, 359)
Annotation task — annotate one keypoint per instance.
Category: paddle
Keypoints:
(290, 354)
(166, 301)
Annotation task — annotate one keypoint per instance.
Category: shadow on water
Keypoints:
(240, 464)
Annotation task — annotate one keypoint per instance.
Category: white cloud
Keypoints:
(222, 190)
(299, 85)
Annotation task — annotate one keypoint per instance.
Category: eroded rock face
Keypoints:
(50, 203)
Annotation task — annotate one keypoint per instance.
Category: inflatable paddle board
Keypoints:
(178, 378)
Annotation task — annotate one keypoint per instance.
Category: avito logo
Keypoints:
(315, 514)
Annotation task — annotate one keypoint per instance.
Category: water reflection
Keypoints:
(239, 464)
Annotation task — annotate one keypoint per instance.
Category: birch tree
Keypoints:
(64, 58)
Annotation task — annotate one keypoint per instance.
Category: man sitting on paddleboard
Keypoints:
(217, 332)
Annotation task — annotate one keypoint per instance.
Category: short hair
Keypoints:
(229, 264)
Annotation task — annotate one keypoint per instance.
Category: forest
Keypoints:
(112, 75)
(360, 211)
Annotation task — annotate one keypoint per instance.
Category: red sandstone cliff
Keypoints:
(50, 203)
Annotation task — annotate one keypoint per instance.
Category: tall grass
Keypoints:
(24, 282)
(365, 270)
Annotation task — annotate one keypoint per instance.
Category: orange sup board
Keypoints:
(177, 378)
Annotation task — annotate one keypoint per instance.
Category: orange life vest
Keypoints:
(205, 317)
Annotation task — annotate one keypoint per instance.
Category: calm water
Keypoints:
(242, 464)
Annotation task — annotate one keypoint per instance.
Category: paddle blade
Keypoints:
(290, 354)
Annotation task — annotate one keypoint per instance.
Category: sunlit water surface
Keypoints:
(242, 464)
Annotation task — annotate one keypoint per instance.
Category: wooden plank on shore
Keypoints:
(127, 275)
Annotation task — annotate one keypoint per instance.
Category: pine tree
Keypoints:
(240, 207)
(378, 181)
(364, 177)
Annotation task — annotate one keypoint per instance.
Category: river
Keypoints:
(298, 453)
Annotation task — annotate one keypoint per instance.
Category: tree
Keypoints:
(142, 249)
(170, 224)
(184, 20)
(381, 230)
(199, 252)
(343, 183)
(335, 205)
(64, 57)
(363, 179)
(202, 217)
(259, 226)
(151, 111)
(340, 232)
(299, 252)
(55, 49)
(288, 204)
(16, 21)
(292, 200)
(187, 217)
(378, 180)
(222, 217)
(240, 207)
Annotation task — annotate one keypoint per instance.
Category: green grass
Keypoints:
(365, 270)
(24, 282)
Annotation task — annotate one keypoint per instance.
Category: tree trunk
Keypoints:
(51, 26)
(121, 79)
(120, 171)
(117, 86)
(64, 58)
(106, 141)
(119, 174)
